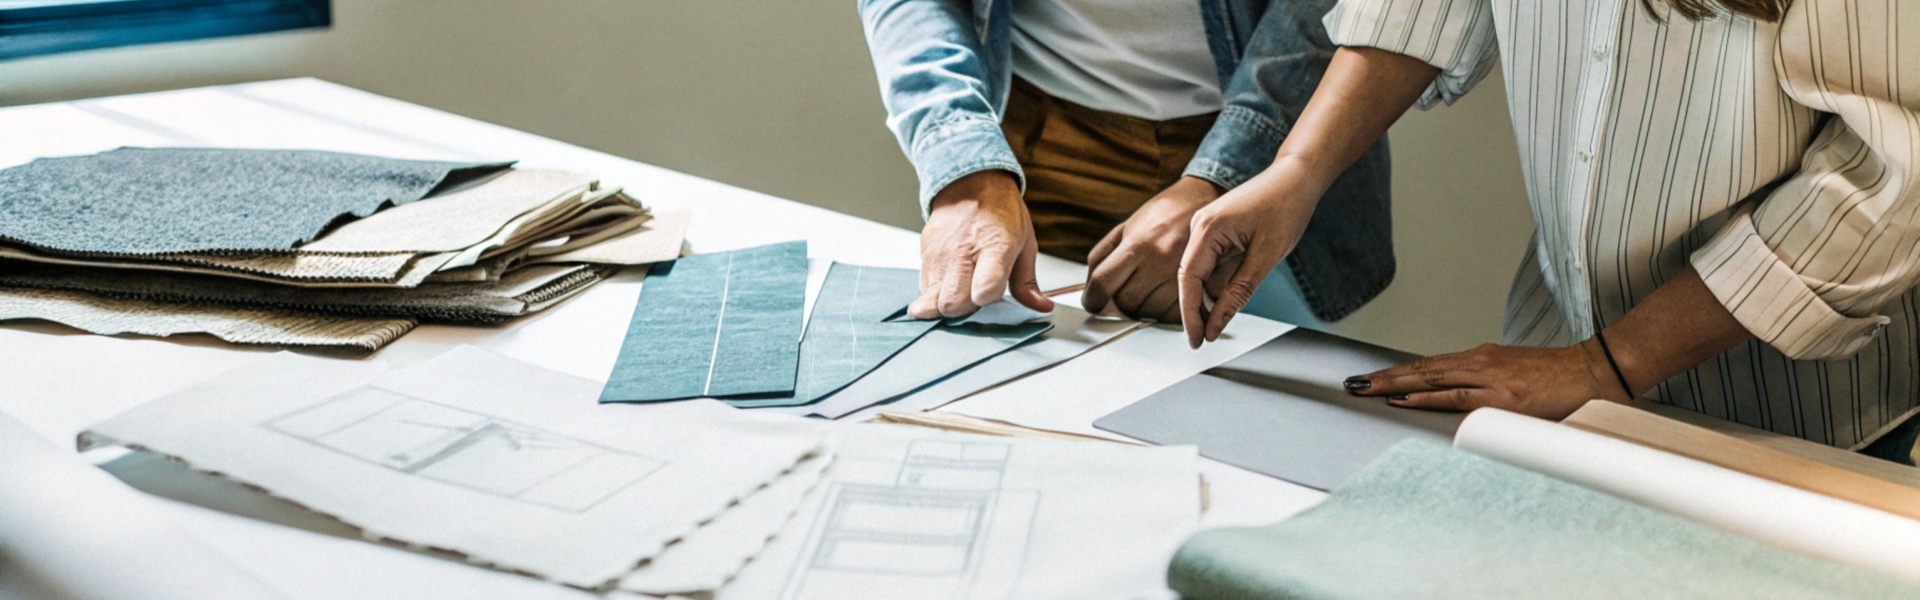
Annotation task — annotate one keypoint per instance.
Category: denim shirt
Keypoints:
(945, 69)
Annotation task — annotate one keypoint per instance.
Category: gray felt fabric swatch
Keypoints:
(161, 200)
(1428, 521)
(848, 333)
(942, 352)
(714, 325)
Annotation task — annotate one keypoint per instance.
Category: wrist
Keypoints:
(991, 186)
(1604, 356)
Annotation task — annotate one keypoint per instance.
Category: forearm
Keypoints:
(1364, 91)
(1679, 326)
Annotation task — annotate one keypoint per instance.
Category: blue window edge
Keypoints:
(55, 27)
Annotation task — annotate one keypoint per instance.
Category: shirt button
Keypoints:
(1599, 51)
(1585, 156)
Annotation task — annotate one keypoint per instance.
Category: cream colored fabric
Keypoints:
(457, 219)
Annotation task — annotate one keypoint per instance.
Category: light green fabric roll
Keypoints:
(1428, 521)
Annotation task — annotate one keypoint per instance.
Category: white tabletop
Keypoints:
(59, 381)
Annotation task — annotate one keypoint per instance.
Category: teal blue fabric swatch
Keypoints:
(849, 334)
(1428, 521)
(715, 325)
(946, 350)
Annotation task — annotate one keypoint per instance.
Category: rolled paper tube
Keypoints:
(77, 532)
(1775, 514)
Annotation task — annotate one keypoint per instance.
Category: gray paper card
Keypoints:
(848, 334)
(1281, 411)
(714, 325)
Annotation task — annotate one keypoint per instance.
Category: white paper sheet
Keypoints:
(69, 530)
(1773, 513)
(1074, 333)
(511, 465)
(915, 513)
(1075, 393)
(708, 557)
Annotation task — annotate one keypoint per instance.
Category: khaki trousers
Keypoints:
(1088, 170)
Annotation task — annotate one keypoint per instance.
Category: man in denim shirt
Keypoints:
(1125, 118)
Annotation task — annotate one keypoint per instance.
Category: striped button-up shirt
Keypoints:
(1776, 159)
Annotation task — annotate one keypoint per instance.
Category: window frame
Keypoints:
(36, 29)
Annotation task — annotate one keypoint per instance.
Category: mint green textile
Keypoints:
(1427, 521)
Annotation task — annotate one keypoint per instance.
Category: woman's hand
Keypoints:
(1549, 383)
(1237, 240)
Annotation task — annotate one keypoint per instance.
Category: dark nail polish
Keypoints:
(1358, 383)
(1397, 398)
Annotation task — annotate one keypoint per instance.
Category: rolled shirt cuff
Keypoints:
(958, 148)
(1456, 37)
(1773, 302)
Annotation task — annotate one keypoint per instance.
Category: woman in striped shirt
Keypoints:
(1725, 195)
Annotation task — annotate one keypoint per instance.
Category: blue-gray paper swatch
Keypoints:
(849, 334)
(161, 200)
(715, 325)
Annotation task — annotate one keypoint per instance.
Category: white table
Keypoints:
(60, 381)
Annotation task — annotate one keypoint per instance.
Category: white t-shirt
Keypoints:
(1144, 58)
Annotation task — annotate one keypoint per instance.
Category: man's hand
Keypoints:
(1135, 267)
(1549, 383)
(978, 238)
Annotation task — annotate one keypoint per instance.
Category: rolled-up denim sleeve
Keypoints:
(1457, 36)
(932, 72)
(1281, 65)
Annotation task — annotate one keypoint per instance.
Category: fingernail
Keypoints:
(1397, 398)
(1358, 383)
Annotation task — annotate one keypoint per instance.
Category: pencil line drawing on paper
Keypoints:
(466, 449)
(945, 529)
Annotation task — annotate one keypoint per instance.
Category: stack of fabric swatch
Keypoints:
(736, 326)
(305, 248)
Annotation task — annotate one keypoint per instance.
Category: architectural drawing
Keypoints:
(466, 449)
(944, 529)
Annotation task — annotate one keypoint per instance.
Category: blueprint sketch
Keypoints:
(509, 464)
(467, 449)
(944, 530)
(914, 513)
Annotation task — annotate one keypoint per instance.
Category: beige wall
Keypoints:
(779, 97)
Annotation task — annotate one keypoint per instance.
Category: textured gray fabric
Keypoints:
(518, 293)
(1428, 521)
(160, 200)
(714, 325)
(116, 316)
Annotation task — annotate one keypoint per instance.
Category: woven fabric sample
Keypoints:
(455, 219)
(1428, 521)
(115, 316)
(713, 325)
(518, 293)
(849, 333)
(169, 200)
